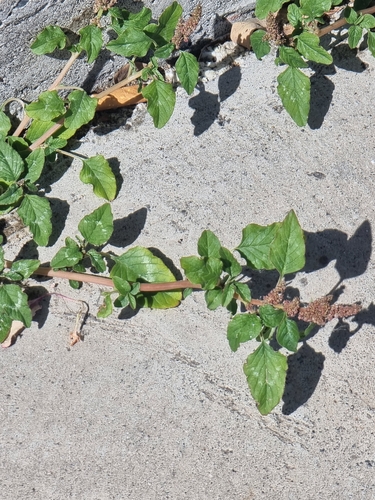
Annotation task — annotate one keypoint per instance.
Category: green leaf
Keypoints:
(5, 326)
(97, 227)
(242, 328)
(294, 15)
(291, 57)
(265, 371)
(36, 213)
(288, 334)
(288, 248)
(309, 46)
(243, 291)
(35, 163)
(48, 106)
(187, 292)
(5, 125)
(51, 38)
(263, 7)
(168, 21)
(187, 69)
(230, 263)
(256, 244)
(132, 42)
(139, 264)
(96, 171)
(13, 303)
(350, 15)
(311, 9)
(122, 286)
(164, 52)
(81, 110)
(354, 36)
(371, 42)
(161, 100)
(54, 143)
(213, 298)
(97, 260)
(11, 196)
(22, 269)
(209, 245)
(205, 271)
(106, 308)
(38, 128)
(66, 257)
(11, 164)
(259, 44)
(228, 294)
(271, 316)
(367, 22)
(91, 41)
(294, 90)
(123, 19)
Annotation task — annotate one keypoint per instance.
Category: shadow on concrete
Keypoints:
(127, 229)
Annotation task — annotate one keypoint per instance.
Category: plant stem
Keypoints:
(119, 85)
(341, 22)
(47, 134)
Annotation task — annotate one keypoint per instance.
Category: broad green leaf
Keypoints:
(161, 100)
(97, 260)
(48, 106)
(209, 245)
(36, 213)
(288, 334)
(230, 263)
(271, 316)
(265, 371)
(11, 196)
(256, 243)
(213, 298)
(294, 90)
(367, 22)
(263, 7)
(228, 294)
(91, 41)
(294, 15)
(81, 110)
(309, 46)
(314, 8)
(66, 257)
(187, 69)
(5, 125)
(241, 328)
(350, 15)
(205, 271)
(22, 269)
(13, 303)
(51, 38)
(243, 291)
(35, 163)
(122, 286)
(371, 42)
(132, 42)
(11, 164)
(288, 248)
(139, 264)
(96, 171)
(354, 36)
(260, 46)
(38, 128)
(168, 21)
(291, 57)
(97, 227)
(106, 308)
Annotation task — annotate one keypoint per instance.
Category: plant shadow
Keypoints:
(128, 229)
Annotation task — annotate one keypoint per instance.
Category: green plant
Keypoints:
(295, 29)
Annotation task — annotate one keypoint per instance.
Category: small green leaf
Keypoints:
(76, 285)
(54, 143)
(291, 57)
(256, 244)
(209, 245)
(66, 257)
(91, 41)
(263, 7)
(106, 308)
(350, 15)
(132, 42)
(271, 316)
(81, 110)
(96, 171)
(187, 292)
(161, 100)
(187, 69)
(213, 298)
(205, 271)
(294, 90)
(5, 125)
(371, 42)
(242, 328)
(97, 227)
(243, 291)
(11, 196)
(265, 371)
(288, 334)
(11, 164)
(122, 286)
(259, 44)
(22, 269)
(354, 36)
(294, 15)
(288, 248)
(230, 263)
(164, 52)
(309, 46)
(48, 106)
(38, 128)
(123, 19)
(168, 21)
(35, 163)
(312, 9)
(97, 260)
(36, 213)
(367, 22)
(51, 38)
(14, 303)
(228, 294)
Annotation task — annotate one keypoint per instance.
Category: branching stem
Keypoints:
(341, 22)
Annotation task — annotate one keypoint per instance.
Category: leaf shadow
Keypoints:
(127, 229)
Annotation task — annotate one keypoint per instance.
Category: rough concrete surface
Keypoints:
(155, 405)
